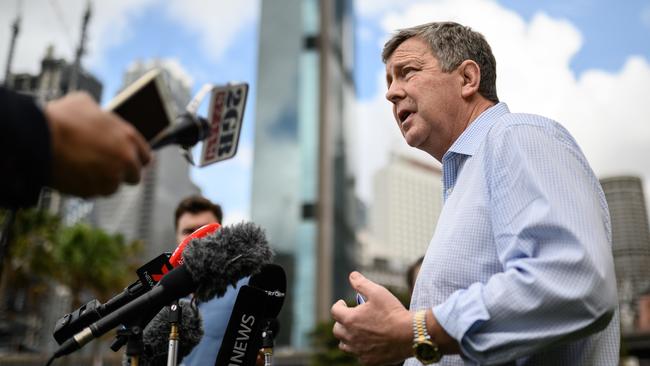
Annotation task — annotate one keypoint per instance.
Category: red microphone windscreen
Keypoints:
(177, 259)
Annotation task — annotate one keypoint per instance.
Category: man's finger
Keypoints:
(132, 167)
(362, 285)
(345, 347)
(339, 332)
(142, 147)
(339, 309)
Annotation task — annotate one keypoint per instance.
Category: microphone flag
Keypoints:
(225, 116)
(243, 337)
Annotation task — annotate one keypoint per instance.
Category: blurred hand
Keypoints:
(378, 331)
(93, 151)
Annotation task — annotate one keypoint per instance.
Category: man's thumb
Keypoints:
(361, 284)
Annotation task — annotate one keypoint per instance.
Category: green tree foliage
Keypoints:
(81, 257)
(88, 258)
(32, 241)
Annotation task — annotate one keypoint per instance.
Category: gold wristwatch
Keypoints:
(424, 349)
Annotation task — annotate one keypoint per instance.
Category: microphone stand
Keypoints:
(134, 345)
(267, 345)
(175, 315)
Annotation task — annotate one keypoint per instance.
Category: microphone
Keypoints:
(242, 338)
(176, 258)
(210, 265)
(222, 259)
(156, 335)
(186, 132)
(149, 274)
(256, 306)
(273, 281)
(220, 130)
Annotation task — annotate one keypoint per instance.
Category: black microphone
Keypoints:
(243, 337)
(256, 305)
(220, 130)
(156, 335)
(186, 132)
(210, 265)
(149, 274)
(273, 281)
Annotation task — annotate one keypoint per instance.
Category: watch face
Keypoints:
(427, 353)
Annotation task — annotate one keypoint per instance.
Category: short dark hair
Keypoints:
(451, 44)
(196, 204)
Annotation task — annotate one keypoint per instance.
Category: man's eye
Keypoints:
(407, 70)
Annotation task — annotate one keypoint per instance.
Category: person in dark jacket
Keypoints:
(70, 144)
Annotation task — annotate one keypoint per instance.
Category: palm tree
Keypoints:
(29, 251)
(81, 257)
(89, 259)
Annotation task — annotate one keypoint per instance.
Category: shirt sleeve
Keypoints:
(552, 235)
(25, 150)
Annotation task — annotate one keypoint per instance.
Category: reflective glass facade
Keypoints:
(288, 178)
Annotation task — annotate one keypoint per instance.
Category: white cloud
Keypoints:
(216, 22)
(41, 26)
(604, 111)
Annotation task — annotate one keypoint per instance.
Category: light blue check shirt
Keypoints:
(520, 268)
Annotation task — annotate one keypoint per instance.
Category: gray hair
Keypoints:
(451, 44)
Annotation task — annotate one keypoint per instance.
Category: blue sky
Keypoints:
(584, 63)
(611, 30)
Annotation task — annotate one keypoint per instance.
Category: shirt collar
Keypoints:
(474, 134)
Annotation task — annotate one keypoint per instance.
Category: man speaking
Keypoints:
(519, 270)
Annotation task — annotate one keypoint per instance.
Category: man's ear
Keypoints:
(471, 74)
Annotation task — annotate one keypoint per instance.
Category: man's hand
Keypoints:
(93, 151)
(378, 331)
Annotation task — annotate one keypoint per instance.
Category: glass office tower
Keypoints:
(302, 181)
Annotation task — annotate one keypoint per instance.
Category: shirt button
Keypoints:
(449, 190)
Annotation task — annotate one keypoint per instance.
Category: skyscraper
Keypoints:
(407, 200)
(302, 180)
(630, 241)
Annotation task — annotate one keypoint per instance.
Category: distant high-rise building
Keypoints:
(145, 211)
(53, 81)
(303, 190)
(407, 200)
(630, 240)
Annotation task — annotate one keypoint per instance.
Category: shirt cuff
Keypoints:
(462, 311)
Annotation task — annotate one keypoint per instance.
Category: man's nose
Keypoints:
(394, 93)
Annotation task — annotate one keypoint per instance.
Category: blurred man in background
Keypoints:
(192, 213)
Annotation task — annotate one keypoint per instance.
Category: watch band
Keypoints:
(420, 326)
(424, 349)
